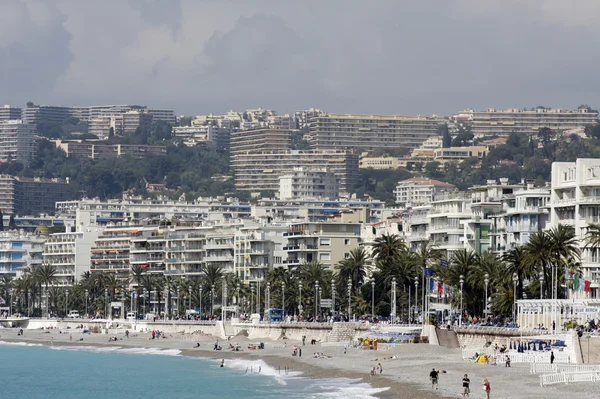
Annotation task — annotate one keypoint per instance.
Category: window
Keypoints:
(346, 241)
(346, 255)
(325, 242)
(325, 256)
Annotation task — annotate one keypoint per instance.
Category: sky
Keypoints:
(418, 57)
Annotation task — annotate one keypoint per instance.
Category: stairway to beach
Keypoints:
(447, 338)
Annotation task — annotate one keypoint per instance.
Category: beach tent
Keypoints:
(481, 359)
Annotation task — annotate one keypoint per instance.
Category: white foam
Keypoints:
(118, 349)
(5, 343)
(258, 366)
(346, 388)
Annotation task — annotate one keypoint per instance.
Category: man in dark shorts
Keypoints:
(434, 378)
(466, 389)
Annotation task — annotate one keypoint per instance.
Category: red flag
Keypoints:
(588, 286)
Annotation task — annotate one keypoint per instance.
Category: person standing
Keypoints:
(487, 388)
(434, 375)
(380, 367)
(551, 357)
(466, 389)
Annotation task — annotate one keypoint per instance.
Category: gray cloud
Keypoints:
(34, 49)
(385, 56)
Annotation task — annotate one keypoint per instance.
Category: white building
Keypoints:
(419, 191)
(192, 135)
(70, 254)
(17, 141)
(446, 215)
(317, 183)
(19, 251)
(575, 201)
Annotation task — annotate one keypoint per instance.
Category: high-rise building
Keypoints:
(493, 122)
(370, 132)
(17, 141)
(8, 113)
(309, 183)
(162, 115)
(419, 191)
(259, 140)
(132, 120)
(28, 196)
(261, 171)
(69, 253)
(19, 250)
(45, 113)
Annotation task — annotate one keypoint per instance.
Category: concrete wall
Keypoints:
(590, 349)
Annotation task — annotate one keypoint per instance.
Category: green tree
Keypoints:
(1, 221)
(12, 225)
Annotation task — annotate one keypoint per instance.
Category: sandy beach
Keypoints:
(406, 375)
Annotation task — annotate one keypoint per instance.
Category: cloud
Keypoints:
(34, 49)
(401, 57)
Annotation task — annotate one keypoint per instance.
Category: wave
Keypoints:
(119, 349)
(345, 388)
(5, 343)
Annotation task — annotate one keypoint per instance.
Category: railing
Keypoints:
(513, 331)
(540, 357)
(569, 378)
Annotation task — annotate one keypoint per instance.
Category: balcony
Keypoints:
(219, 258)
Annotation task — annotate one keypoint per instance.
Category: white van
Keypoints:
(131, 316)
(73, 314)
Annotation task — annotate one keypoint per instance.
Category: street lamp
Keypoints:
(237, 300)
(10, 293)
(515, 279)
(154, 297)
(106, 303)
(332, 297)
(200, 301)
(212, 300)
(349, 297)
(300, 299)
(190, 298)
(320, 301)
(486, 281)
(416, 297)
(541, 285)
(372, 298)
(461, 281)
(393, 300)
(316, 299)
(268, 297)
(283, 300)
(66, 303)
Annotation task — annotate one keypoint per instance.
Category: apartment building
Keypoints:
(132, 120)
(70, 254)
(523, 213)
(493, 122)
(379, 163)
(370, 132)
(47, 113)
(28, 196)
(486, 201)
(459, 154)
(8, 113)
(193, 135)
(19, 251)
(111, 250)
(419, 191)
(258, 172)
(260, 140)
(162, 115)
(446, 215)
(17, 141)
(309, 183)
(575, 201)
(93, 150)
(258, 249)
(325, 242)
(416, 225)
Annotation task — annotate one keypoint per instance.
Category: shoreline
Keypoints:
(306, 366)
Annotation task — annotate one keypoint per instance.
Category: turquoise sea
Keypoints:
(34, 371)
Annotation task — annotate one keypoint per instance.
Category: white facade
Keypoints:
(70, 254)
(309, 183)
(192, 135)
(575, 201)
(419, 191)
(446, 215)
(17, 141)
(18, 251)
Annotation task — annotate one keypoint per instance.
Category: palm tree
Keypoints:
(537, 256)
(45, 275)
(354, 267)
(387, 247)
(6, 284)
(516, 263)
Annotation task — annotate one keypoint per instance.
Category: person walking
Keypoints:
(434, 375)
(466, 390)
(551, 357)
(487, 388)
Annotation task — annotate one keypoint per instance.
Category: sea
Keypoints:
(63, 372)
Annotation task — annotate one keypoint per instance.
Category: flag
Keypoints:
(444, 263)
(428, 272)
(133, 295)
(588, 286)
(440, 288)
(576, 283)
(581, 283)
(431, 285)
(2, 301)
